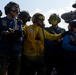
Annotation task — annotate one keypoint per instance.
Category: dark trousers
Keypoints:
(69, 67)
(10, 64)
(14, 65)
(32, 66)
(3, 64)
(54, 62)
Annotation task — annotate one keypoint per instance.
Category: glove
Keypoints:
(11, 30)
(17, 34)
(7, 35)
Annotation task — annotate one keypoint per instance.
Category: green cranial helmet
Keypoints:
(54, 17)
(23, 15)
(11, 6)
(37, 16)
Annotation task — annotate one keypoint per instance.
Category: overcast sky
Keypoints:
(46, 7)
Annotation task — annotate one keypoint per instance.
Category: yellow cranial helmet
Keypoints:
(37, 16)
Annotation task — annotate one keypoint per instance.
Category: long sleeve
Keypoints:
(66, 44)
(52, 37)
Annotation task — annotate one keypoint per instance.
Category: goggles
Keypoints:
(53, 18)
(15, 9)
(41, 18)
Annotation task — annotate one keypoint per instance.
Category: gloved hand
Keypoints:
(7, 35)
(11, 35)
(16, 33)
(11, 30)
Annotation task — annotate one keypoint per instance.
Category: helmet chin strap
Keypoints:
(43, 25)
(54, 24)
(38, 24)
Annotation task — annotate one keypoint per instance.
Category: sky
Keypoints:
(46, 7)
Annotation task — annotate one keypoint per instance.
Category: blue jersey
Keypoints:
(5, 47)
(66, 44)
(53, 47)
(69, 46)
(6, 23)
